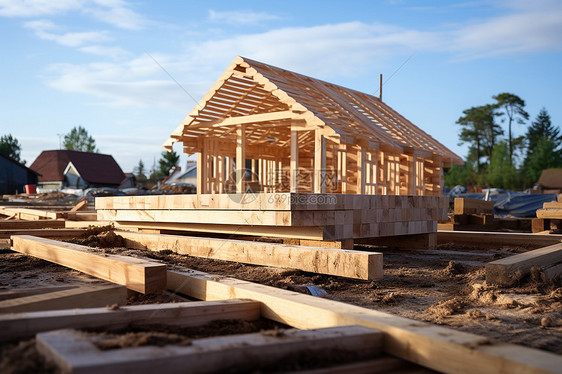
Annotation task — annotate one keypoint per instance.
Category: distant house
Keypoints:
(130, 181)
(14, 176)
(550, 181)
(74, 169)
(187, 176)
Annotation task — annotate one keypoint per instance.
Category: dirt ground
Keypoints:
(444, 286)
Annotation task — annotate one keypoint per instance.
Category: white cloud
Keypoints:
(33, 8)
(527, 29)
(326, 51)
(246, 17)
(117, 13)
(43, 29)
(138, 82)
(114, 12)
(110, 52)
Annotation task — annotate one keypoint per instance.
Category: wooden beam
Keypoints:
(23, 224)
(76, 353)
(507, 271)
(193, 313)
(497, 239)
(89, 296)
(248, 119)
(338, 262)
(137, 274)
(550, 213)
(473, 206)
(319, 163)
(294, 164)
(240, 158)
(436, 347)
(301, 232)
(43, 233)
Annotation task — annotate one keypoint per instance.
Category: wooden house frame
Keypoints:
(265, 129)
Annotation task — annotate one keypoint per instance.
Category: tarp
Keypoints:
(511, 203)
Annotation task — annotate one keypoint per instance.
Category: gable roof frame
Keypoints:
(341, 114)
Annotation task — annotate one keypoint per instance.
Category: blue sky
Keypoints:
(66, 63)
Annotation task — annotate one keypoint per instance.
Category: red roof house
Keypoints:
(62, 168)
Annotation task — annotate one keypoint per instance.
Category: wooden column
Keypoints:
(294, 166)
(200, 173)
(319, 163)
(240, 157)
(361, 172)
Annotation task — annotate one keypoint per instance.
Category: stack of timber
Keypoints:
(55, 212)
(285, 215)
(549, 218)
(471, 215)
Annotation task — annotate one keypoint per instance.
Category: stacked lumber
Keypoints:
(304, 216)
(471, 215)
(26, 213)
(549, 217)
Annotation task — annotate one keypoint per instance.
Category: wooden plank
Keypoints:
(22, 292)
(507, 271)
(302, 232)
(79, 297)
(473, 206)
(193, 313)
(268, 201)
(343, 263)
(550, 213)
(74, 352)
(23, 224)
(540, 225)
(81, 204)
(5, 243)
(436, 347)
(199, 216)
(497, 239)
(31, 213)
(43, 233)
(137, 274)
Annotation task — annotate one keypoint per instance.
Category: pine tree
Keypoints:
(514, 109)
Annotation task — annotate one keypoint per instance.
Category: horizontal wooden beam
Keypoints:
(473, 206)
(193, 313)
(43, 233)
(137, 274)
(338, 262)
(550, 213)
(241, 120)
(76, 353)
(436, 347)
(24, 224)
(507, 271)
(497, 239)
(303, 232)
(87, 296)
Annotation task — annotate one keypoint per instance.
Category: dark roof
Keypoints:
(551, 178)
(95, 168)
(19, 164)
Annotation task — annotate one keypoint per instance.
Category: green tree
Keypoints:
(547, 154)
(512, 108)
(168, 161)
(459, 175)
(544, 142)
(501, 173)
(479, 129)
(78, 139)
(140, 173)
(10, 146)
